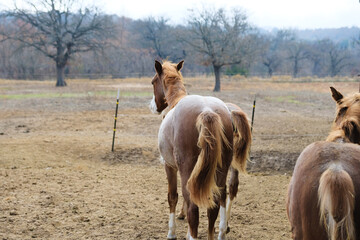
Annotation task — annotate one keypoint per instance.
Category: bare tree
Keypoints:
(155, 31)
(52, 28)
(338, 60)
(356, 40)
(156, 34)
(317, 57)
(297, 53)
(218, 38)
(272, 54)
(336, 56)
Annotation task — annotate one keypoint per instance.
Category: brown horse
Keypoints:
(196, 138)
(324, 192)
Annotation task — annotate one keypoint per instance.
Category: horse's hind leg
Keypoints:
(223, 217)
(220, 205)
(212, 214)
(172, 199)
(233, 189)
(193, 220)
(192, 211)
(182, 213)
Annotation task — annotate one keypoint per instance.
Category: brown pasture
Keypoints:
(60, 180)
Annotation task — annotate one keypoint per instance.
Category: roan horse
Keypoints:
(324, 192)
(197, 137)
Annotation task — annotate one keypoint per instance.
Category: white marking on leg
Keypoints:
(228, 209)
(162, 161)
(153, 106)
(222, 224)
(172, 226)
(189, 237)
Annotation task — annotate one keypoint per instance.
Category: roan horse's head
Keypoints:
(165, 78)
(347, 120)
(158, 102)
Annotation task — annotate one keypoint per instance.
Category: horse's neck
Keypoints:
(174, 94)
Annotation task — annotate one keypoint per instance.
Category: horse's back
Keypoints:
(316, 157)
(302, 202)
(196, 104)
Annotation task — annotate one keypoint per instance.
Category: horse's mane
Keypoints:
(350, 100)
(173, 83)
(350, 120)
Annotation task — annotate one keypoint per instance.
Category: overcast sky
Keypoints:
(302, 14)
(263, 13)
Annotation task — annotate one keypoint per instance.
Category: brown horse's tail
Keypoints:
(242, 140)
(336, 201)
(202, 183)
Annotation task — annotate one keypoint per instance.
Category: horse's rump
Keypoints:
(323, 192)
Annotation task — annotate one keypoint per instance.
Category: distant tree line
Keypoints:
(58, 41)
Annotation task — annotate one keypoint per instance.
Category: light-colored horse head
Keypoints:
(167, 85)
(346, 125)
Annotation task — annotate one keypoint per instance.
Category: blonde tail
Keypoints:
(337, 201)
(242, 140)
(202, 183)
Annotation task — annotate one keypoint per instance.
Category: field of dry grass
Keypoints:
(60, 180)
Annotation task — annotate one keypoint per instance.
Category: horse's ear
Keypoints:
(158, 67)
(337, 96)
(180, 65)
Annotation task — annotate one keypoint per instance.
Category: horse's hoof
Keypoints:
(227, 229)
(171, 237)
(171, 234)
(181, 216)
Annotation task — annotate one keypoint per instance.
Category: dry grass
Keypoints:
(59, 179)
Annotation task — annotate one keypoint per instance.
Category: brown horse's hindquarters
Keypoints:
(320, 169)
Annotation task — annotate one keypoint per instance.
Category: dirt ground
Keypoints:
(60, 180)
